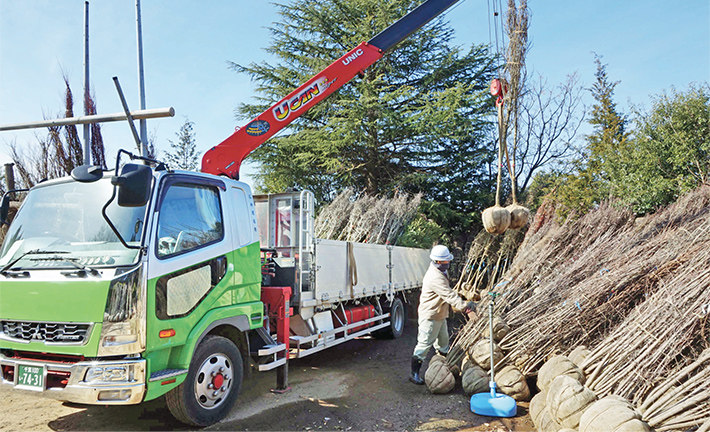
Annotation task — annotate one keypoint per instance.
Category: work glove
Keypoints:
(470, 307)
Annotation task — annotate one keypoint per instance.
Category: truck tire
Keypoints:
(398, 316)
(212, 384)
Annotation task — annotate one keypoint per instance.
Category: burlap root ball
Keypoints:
(481, 353)
(554, 367)
(567, 399)
(466, 363)
(519, 216)
(496, 219)
(439, 378)
(578, 355)
(437, 358)
(612, 414)
(540, 415)
(475, 380)
(511, 381)
(500, 329)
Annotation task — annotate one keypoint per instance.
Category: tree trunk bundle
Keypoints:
(635, 291)
(489, 257)
(359, 217)
(584, 277)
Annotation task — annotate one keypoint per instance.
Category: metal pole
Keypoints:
(491, 384)
(128, 114)
(98, 118)
(10, 176)
(87, 127)
(141, 81)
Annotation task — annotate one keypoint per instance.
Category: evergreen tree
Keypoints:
(671, 150)
(417, 120)
(601, 161)
(184, 151)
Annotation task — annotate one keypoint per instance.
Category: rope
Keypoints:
(501, 139)
(352, 269)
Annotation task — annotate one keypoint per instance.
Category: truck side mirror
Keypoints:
(134, 185)
(4, 209)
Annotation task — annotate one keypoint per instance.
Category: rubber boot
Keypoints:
(416, 367)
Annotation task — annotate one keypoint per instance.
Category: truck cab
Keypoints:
(102, 303)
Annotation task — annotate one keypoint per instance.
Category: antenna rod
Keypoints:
(87, 127)
(141, 79)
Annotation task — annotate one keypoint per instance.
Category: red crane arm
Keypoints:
(226, 158)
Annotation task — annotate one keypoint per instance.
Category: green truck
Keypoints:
(117, 287)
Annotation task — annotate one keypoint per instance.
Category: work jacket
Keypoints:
(437, 296)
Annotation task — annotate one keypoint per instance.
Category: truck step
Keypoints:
(265, 336)
(166, 373)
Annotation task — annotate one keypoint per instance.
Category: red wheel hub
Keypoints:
(218, 380)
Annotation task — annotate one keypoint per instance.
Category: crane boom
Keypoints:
(226, 158)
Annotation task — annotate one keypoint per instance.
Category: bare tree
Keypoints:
(539, 122)
(549, 121)
(58, 153)
(517, 25)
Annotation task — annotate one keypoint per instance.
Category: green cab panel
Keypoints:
(235, 293)
(70, 300)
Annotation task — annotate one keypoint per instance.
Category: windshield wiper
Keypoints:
(5, 269)
(81, 269)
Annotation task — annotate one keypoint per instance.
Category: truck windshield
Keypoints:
(67, 217)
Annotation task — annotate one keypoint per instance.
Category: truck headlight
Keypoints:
(109, 374)
(123, 328)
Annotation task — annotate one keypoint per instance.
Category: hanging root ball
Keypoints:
(496, 219)
(554, 367)
(541, 416)
(567, 400)
(578, 355)
(500, 329)
(519, 216)
(613, 414)
(475, 380)
(439, 378)
(511, 381)
(481, 354)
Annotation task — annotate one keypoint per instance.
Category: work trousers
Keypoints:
(431, 333)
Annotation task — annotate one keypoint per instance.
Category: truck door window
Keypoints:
(190, 217)
(283, 222)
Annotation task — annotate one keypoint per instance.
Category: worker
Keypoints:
(433, 310)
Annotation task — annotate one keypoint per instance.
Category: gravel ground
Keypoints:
(361, 385)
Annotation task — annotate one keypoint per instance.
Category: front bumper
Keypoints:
(65, 381)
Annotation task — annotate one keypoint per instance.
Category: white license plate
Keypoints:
(30, 377)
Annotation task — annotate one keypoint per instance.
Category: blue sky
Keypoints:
(649, 46)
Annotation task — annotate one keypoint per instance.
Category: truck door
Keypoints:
(190, 247)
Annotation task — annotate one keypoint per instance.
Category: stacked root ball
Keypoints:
(474, 369)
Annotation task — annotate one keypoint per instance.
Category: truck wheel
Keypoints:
(398, 317)
(212, 384)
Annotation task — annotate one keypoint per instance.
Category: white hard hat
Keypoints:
(440, 253)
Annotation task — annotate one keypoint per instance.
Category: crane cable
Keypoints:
(498, 86)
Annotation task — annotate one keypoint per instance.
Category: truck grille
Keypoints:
(60, 333)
